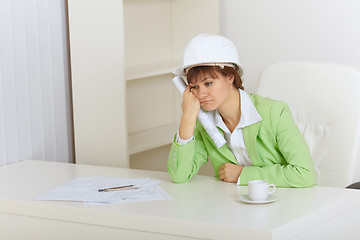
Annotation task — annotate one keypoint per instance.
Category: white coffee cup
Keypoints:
(260, 189)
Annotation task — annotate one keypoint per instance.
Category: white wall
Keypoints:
(266, 31)
(35, 121)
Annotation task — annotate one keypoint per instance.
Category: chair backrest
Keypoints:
(325, 101)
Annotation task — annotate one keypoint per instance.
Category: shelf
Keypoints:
(152, 138)
(150, 70)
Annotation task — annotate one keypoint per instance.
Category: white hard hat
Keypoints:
(207, 49)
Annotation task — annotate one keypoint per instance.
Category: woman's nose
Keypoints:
(202, 92)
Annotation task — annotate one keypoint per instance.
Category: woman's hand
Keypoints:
(229, 172)
(190, 109)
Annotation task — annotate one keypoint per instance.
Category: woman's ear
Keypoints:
(231, 78)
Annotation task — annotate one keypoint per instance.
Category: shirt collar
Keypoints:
(249, 114)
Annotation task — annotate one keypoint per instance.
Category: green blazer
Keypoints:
(275, 146)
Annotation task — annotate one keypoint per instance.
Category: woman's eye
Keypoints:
(208, 83)
(193, 87)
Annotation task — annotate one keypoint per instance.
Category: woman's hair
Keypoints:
(194, 72)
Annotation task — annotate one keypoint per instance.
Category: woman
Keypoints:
(263, 141)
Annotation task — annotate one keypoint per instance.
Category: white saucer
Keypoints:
(245, 198)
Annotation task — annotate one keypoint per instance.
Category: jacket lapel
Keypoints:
(250, 133)
(224, 150)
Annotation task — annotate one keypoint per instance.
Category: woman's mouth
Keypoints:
(205, 102)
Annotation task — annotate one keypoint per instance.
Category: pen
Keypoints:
(125, 187)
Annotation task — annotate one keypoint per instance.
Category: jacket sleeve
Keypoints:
(295, 168)
(185, 161)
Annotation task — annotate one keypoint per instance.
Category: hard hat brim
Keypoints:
(180, 71)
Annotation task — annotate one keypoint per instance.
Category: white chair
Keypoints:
(325, 101)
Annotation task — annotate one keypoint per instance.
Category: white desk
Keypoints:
(204, 208)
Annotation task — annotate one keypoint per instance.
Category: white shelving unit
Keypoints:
(156, 33)
(122, 55)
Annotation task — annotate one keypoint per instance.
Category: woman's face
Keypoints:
(212, 92)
